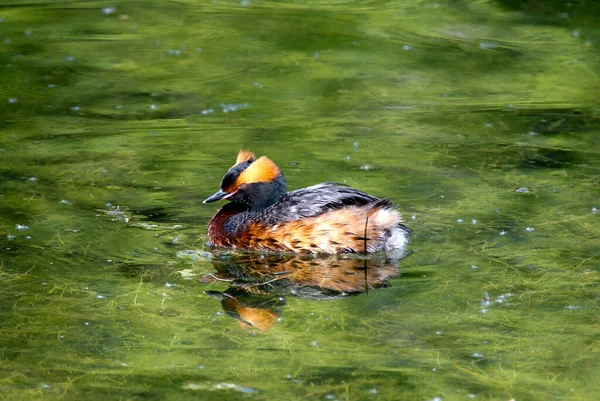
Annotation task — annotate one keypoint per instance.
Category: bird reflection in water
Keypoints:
(258, 283)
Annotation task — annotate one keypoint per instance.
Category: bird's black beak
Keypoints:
(215, 197)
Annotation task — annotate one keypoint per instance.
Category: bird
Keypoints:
(326, 218)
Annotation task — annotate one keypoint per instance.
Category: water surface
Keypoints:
(479, 119)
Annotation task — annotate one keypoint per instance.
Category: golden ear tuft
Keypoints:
(262, 170)
(244, 156)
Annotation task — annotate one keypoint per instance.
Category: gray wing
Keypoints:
(313, 201)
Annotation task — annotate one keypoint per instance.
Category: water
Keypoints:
(479, 119)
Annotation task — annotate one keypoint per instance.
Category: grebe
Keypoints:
(323, 218)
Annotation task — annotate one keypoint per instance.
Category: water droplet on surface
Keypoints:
(530, 229)
(12, 100)
(594, 210)
(406, 47)
(488, 45)
(20, 227)
(365, 167)
(108, 10)
(460, 221)
(522, 190)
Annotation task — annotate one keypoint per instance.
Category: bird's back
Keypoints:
(324, 218)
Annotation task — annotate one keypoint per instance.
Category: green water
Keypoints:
(480, 119)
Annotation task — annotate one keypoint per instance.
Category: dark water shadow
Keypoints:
(259, 283)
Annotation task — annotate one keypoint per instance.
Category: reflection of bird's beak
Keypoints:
(217, 294)
(217, 196)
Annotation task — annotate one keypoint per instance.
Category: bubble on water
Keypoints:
(460, 221)
(594, 210)
(100, 296)
(28, 237)
(244, 3)
(413, 217)
(169, 285)
(258, 85)
(10, 237)
(574, 307)
(20, 227)
(365, 167)
(575, 34)
(198, 50)
(173, 52)
(154, 107)
(502, 233)
(488, 45)
(232, 106)
(477, 355)
(314, 343)
(406, 47)
(373, 391)
(473, 221)
(330, 397)
(522, 190)
(356, 144)
(108, 10)
(316, 54)
(12, 100)
(532, 133)
(207, 111)
(45, 386)
(529, 229)
(70, 58)
(439, 333)
(28, 32)
(75, 108)
(474, 267)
